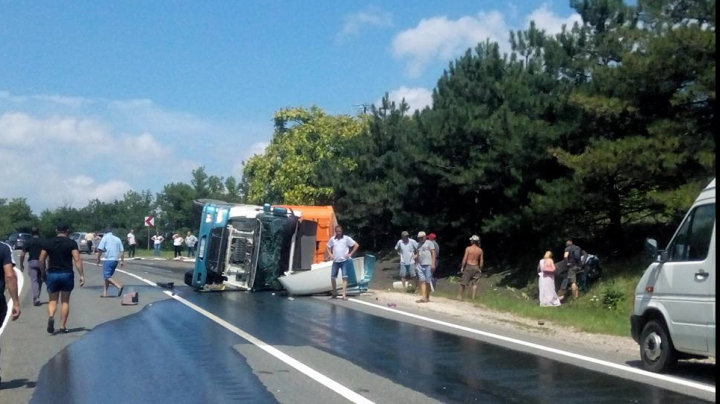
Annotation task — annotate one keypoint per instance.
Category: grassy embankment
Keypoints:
(605, 308)
(142, 253)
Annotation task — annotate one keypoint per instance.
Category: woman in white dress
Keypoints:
(546, 283)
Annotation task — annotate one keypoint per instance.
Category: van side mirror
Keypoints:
(651, 250)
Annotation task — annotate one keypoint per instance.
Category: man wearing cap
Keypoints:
(61, 252)
(471, 267)
(338, 249)
(406, 248)
(425, 257)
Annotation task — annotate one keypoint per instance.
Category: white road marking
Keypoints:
(301, 367)
(21, 282)
(624, 368)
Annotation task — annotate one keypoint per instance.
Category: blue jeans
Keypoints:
(191, 251)
(157, 250)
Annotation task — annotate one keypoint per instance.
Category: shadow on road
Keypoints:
(695, 371)
(17, 383)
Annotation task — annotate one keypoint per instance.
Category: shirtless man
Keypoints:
(471, 267)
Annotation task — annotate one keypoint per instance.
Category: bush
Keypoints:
(610, 295)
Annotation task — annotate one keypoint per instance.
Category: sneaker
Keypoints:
(36, 303)
(51, 325)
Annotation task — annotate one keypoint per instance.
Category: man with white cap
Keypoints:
(425, 257)
(471, 267)
(406, 248)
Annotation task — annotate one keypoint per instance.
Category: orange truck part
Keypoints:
(326, 221)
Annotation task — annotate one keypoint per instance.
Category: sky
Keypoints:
(99, 98)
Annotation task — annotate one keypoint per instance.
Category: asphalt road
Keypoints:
(264, 348)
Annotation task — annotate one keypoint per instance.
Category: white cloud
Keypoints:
(371, 17)
(416, 98)
(442, 38)
(552, 23)
(84, 188)
(22, 130)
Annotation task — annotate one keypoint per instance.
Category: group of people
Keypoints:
(190, 241)
(418, 259)
(546, 269)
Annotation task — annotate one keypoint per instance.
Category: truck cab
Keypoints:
(674, 312)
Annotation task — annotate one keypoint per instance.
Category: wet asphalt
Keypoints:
(166, 352)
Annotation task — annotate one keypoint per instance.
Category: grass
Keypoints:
(605, 308)
(149, 253)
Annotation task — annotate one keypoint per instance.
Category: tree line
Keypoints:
(604, 133)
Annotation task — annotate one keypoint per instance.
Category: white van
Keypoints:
(674, 315)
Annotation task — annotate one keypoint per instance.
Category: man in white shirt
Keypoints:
(338, 249)
(190, 241)
(406, 248)
(132, 243)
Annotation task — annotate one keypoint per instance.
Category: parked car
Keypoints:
(674, 315)
(79, 238)
(17, 240)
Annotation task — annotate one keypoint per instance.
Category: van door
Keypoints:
(712, 281)
(684, 283)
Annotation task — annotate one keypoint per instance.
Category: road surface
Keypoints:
(267, 348)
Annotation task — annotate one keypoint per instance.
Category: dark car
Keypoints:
(17, 240)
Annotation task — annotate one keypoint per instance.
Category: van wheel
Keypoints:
(656, 349)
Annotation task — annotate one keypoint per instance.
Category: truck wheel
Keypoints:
(656, 349)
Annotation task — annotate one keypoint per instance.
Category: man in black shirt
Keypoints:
(573, 256)
(61, 251)
(9, 279)
(33, 248)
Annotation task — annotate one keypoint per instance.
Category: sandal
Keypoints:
(64, 330)
(51, 325)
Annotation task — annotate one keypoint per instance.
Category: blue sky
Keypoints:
(100, 97)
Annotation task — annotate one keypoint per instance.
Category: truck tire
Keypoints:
(656, 348)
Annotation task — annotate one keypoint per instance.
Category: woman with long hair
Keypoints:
(546, 283)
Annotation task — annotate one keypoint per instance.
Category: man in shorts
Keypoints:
(406, 248)
(425, 257)
(471, 267)
(61, 252)
(8, 279)
(573, 257)
(113, 249)
(33, 248)
(338, 249)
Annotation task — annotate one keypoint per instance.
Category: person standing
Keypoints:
(94, 243)
(9, 280)
(471, 267)
(157, 240)
(190, 242)
(573, 257)
(338, 249)
(33, 248)
(432, 237)
(61, 252)
(132, 243)
(89, 242)
(406, 248)
(177, 243)
(113, 249)
(546, 283)
(425, 257)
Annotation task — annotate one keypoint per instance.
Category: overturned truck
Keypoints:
(255, 248)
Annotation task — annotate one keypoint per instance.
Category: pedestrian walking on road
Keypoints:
(89, 242)
(190, 242)
(471, 267)
(338, 249)
(92, 248)
(546, 283)
(33, 248)
(406, 248)
(113, 249)
(132, 243)
(177, 243)
(9, 280)
(61, 252)
(425, 257)
(157, 240)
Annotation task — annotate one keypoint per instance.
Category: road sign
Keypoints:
(149, 221)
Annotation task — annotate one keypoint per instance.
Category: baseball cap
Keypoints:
(431, 236)
(62, 227)
(421, 234)
(474, 238)
(405, 234)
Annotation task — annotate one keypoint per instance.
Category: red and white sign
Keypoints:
(149, 221)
